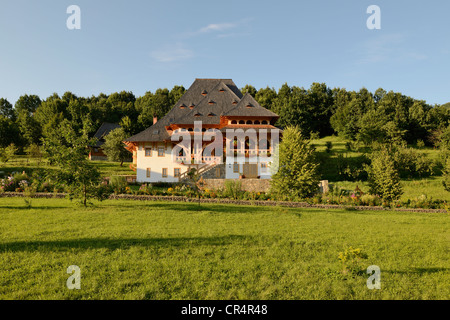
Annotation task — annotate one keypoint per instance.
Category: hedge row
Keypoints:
(228, 201)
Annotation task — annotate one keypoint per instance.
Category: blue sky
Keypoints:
(140, 46)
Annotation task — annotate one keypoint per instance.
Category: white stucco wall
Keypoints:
(156, 164)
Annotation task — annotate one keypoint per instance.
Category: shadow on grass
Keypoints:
(23, 207)
(195, 208)
(418, 271)
(114, 244)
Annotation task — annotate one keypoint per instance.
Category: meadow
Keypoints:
(161, 250)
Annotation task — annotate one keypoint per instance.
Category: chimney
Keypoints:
(155, 120)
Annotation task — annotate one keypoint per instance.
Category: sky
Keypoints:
(141, 46)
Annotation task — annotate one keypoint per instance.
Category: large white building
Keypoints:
(216, 104)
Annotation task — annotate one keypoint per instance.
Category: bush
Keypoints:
(411, 164)
(296, 173)
(350, 259)
(232, 189)
(383, 176)
(329, 146)
(352, 168)
(118, 184)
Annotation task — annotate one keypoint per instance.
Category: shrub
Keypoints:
(118, 184)
(296, 171)
(232, 189)
(329, 146)
(350, 259)
(383, 176)
(446, 176)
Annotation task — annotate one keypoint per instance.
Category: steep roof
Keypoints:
(218, 101)
(103, 131)
(249, 107)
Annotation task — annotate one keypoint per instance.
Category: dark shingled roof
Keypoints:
(103, 131)
(210, 98)
(248, 107)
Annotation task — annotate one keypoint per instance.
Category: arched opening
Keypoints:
(249, 122)
(241, 122)
(190, 130)
(256, 122)
(264, 122)
(233, 122)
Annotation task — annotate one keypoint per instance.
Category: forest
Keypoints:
(361, 116)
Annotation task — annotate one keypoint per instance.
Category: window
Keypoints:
(148, 152)
(233, 122)
(161, 152)
(249, 121)
(263, 167)
(176, 172)
(264, 122)
(149, 172)
(164, 172)
(236, 168)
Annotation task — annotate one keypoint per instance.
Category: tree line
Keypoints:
(318, 111)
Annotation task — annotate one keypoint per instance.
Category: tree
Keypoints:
(7, 153)
(297, 173)
(6, 109)
(114, 148)
(384, 179)
(249, 89)
(67, 149)
(446, 180)
(25, 108)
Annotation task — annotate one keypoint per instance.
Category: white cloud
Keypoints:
(172, 54)
(390, 47)
(218, 27)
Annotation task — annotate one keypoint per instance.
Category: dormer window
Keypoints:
(191, 106)
(211, 114)
(249, 106)
(210, 102)
(197, 114)
(183, 106)
(204, 93)
(235, 102)
(221, 90)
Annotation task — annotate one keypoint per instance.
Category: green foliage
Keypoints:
(232, 189)
(410, 163)
(114, 148)
(7, 153)
(351, 260)
(67, 149)
(297, 172)
(446, 176)
(383, 176)
(352, 168)
(118, 184)
(329, 146)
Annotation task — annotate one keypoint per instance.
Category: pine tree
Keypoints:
(384, 179)
(296, 175)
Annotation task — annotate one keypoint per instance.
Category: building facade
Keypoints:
(213, 128)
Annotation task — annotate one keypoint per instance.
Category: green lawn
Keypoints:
(22, 163)
(157, 250)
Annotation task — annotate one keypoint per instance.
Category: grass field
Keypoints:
(156, 250)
